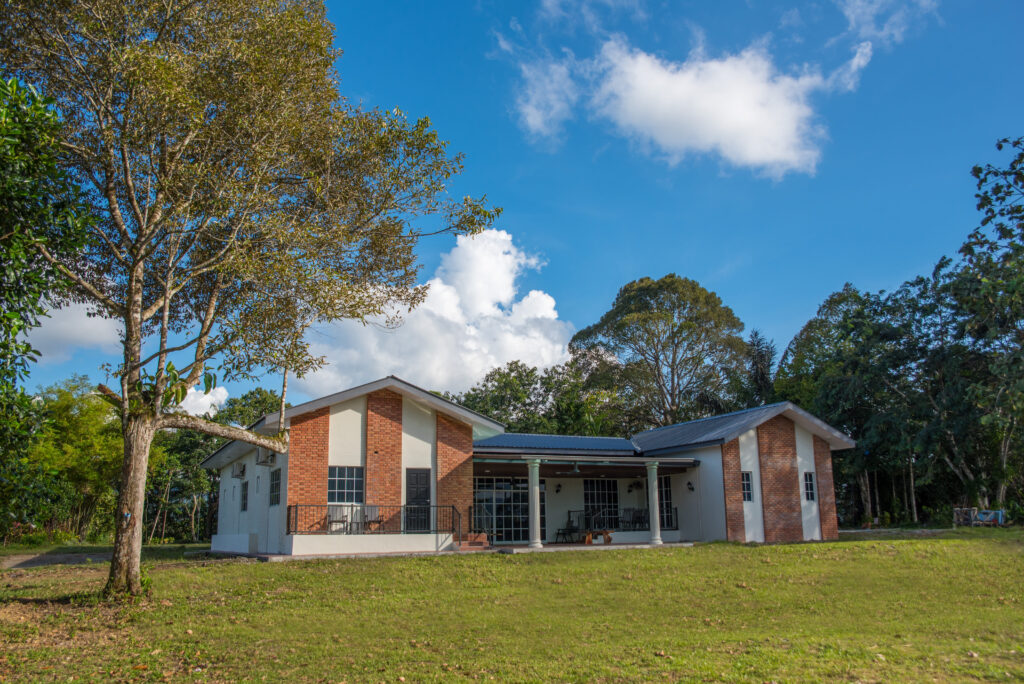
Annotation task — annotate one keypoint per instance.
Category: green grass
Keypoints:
(149, 552)
(948, 608)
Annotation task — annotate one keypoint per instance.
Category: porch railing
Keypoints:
(623, 519)
(354, 518)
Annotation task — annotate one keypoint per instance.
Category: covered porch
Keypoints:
(533, 500)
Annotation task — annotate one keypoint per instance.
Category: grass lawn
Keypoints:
(949, 607)
(149, 552)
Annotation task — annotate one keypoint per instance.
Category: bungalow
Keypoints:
(390, 467)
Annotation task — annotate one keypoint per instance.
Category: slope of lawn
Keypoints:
(946, 608)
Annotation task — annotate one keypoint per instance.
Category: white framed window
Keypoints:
(809, 486)
(747, 485)
(275, 487)
(345, 484)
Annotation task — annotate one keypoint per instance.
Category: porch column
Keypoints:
(534, 468)
(653, 505)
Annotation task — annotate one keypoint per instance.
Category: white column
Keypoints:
(653, 506)
(534, 468)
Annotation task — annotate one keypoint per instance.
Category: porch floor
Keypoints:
(550, 548)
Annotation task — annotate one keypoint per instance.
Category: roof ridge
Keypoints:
(720, 415)
(554, 434)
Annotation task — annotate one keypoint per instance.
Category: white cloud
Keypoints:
(886, 21)
(473, 319)
(200, 404)
(740, 106)
(71, 328)
(547, 97)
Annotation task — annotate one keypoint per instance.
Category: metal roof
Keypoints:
(728, 426)
(510, 442)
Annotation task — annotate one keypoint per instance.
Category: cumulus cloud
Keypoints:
(71, 328)
(546, 98)
(886, 21)
(473, 319)
(741, 107)
(199, 404)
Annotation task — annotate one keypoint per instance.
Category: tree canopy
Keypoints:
(679, 346)
(238, 198)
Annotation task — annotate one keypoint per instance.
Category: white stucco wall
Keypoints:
(261, 528)
(702, 511)
(753, 511)
(321, 544)
(347, 436)
(805, 464)
(419, 442)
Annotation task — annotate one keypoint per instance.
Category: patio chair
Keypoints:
(372, 519)
(573, 530)
(337, 519)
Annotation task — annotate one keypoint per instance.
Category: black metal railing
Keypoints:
(354, 518)
(623, 519)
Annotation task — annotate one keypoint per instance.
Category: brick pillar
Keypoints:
(307, 467)
(826, 489)
(455, 467)
(384, 454)
(780, 480)
(735, 529)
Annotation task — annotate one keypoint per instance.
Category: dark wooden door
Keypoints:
(417, 499)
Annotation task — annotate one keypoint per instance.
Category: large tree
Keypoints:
(679, 346)
(989, 291)
(238, 198)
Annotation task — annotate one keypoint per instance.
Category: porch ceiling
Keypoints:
(584, 470)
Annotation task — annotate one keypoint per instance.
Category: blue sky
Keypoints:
(770, 151)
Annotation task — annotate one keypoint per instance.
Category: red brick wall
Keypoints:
(826, 489)
(780, 481)
(383, 448)
(735, 530)
(455, 466)
(307, 457)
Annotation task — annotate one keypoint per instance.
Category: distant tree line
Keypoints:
(928, 378)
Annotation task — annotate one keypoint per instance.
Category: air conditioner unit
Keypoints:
(238, 470)
(265, 457)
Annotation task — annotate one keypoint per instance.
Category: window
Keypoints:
(344, 484)
(809, 486)
(665, 500)
(747, 485)
(275, 487)
(245, 496)
(501, 508)
(601, 499)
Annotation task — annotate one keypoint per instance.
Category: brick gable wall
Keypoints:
(735, 529)
(307, 457)
(780, 482)
(826, 489)
(455, 467)
(384, 448)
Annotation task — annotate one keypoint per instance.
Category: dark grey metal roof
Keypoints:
(729, 426)
(510, 442)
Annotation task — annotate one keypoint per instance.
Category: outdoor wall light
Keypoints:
(558, 487)
(689, 485)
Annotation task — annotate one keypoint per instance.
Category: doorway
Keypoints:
(417, 499)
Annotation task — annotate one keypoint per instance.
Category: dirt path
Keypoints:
(37, 560)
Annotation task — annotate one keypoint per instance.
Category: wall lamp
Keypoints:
(689, 485)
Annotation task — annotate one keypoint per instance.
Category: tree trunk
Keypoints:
(125, 575)
(913, 494)
(865, 492)
(895, 499)
(878, 506)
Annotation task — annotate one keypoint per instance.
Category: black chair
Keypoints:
(573, 530)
